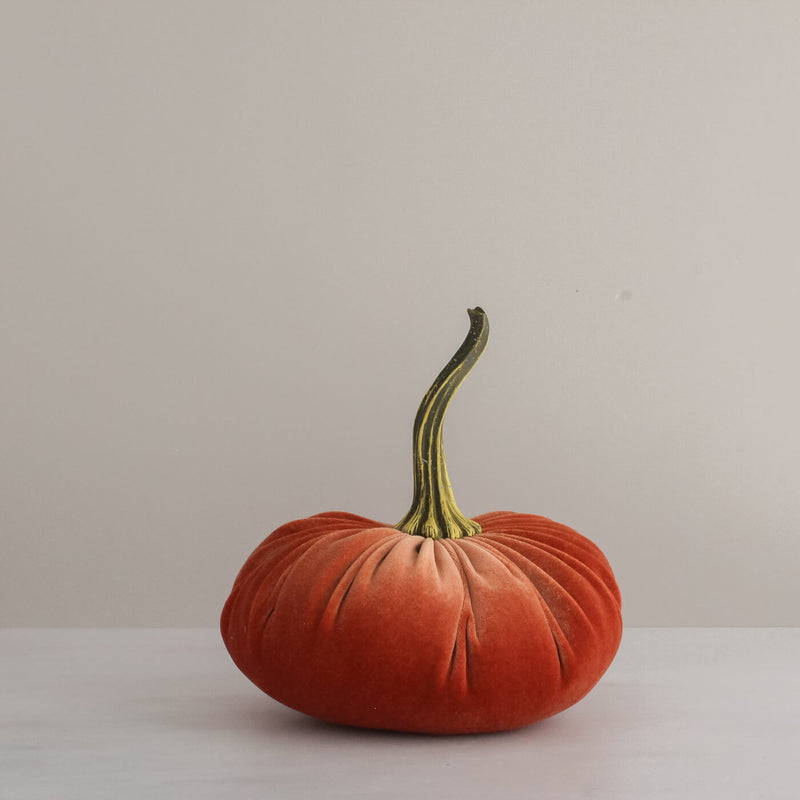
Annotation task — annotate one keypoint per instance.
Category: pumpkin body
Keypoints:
(355, 622)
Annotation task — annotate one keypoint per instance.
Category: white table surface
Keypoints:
(164, 713)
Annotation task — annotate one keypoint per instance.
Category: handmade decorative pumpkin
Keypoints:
(440, 624)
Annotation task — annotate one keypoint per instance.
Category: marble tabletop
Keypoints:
(111, 714)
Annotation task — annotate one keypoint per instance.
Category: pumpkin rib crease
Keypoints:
(556, 543)
(561, 664)
(543, 576)
(552, 537)
(466, 615)
(574, 565)
(519, 573)
(381, 560)
(352, 571)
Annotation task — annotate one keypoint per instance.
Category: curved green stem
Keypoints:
(434, 513)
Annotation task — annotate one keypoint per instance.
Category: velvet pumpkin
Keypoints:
(440, 624)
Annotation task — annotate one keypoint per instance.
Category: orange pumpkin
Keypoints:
(440, 624)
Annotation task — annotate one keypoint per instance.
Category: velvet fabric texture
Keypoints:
(355, 622)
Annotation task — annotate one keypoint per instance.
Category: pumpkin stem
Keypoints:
(434, 513)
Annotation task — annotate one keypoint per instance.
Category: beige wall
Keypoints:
(239, 240)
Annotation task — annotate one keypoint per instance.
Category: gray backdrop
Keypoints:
(239, 241)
